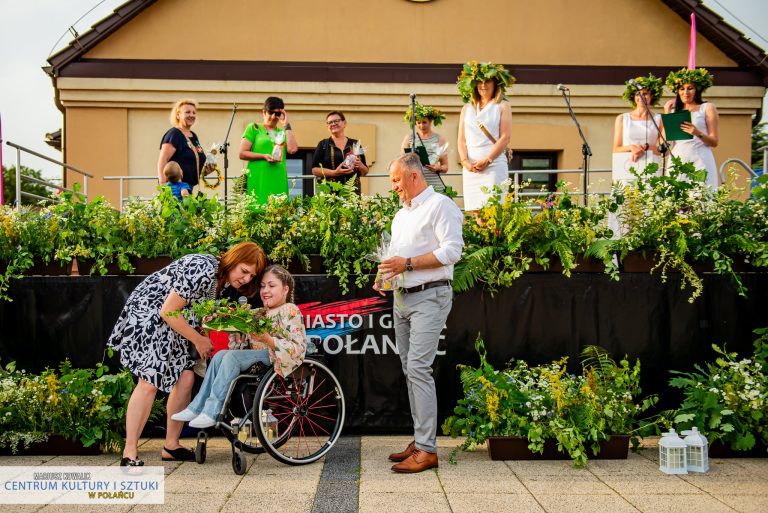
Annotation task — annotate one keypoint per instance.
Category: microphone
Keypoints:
(413, 96)
(634, 83)
(561, 87)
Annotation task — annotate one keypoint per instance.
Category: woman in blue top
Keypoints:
(181, 145)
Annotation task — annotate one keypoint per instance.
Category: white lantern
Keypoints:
(696, 451)
(672, 457)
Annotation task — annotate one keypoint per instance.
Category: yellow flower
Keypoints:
(492, 405)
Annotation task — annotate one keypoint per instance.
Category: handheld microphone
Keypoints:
(634, 83)
(413, 96)
(561, 87)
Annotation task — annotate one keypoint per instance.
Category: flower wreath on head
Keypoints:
(650, 83)
(474, 72)
(699, 77)
(433, 114)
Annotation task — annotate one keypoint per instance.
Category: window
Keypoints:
(298, 164)
(530, 160)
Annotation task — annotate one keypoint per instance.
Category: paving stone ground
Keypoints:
(355, 477)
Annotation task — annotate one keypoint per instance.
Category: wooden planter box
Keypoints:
(719, 450)
(84, 269)
(516, 448)
(583, 265)
(316, 265)
(147, 265)
(56, 445)
(50, 269)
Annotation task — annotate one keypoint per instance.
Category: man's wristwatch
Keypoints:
(408, 265)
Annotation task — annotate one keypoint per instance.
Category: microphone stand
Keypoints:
(586, 152)
(224, 149)
(664, 146)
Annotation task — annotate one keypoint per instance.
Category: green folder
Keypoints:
(421, 151)
(672, 123)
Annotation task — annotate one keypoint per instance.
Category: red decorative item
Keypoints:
(220, 340)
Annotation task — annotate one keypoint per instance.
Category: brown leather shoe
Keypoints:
(400, 456)
(418, 461)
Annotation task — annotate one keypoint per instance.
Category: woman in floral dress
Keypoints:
(285, 347)
(153, 339)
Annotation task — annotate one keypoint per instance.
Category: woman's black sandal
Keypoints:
(180, 454)
(128, 462)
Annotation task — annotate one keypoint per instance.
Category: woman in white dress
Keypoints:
(483, 156)
(635, 137)
(689, 85)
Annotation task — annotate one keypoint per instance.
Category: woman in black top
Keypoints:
(181, 145)
(330, 154)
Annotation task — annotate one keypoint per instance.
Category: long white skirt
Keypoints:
(494, 174)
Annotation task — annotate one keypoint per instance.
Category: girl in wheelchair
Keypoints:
(284, 349)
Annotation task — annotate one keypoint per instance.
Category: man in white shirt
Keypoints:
(427, 239)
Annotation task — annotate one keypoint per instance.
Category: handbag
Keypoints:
(507, 151)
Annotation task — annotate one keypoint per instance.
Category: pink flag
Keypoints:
(692, 44)
(2, 192)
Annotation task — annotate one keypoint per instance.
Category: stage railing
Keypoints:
(20, 176)
(515, 175)
(740, 162)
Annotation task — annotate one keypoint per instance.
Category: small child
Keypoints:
(173, 174)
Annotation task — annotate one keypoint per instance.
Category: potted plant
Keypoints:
(84, 406)
(547, 410)
(727, 400)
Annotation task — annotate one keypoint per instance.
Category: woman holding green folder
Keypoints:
(688, 85)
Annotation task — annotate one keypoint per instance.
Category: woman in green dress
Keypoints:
(264, 146)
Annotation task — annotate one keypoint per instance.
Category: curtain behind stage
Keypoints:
(541, 317)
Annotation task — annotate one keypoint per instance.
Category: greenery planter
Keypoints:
(516, 448)
(56, 445)
(147, 265)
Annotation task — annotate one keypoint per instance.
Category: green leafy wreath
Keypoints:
(650, 83)
(426, 112)
(474, 72)
(699, 77)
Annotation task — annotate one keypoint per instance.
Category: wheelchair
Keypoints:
(295, 419)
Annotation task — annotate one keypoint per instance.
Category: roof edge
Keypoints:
(96, 34)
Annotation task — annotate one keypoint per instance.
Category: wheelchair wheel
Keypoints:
(299, 417)
(200, 448)
(239, 462)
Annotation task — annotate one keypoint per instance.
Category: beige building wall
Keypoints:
(96, 141)
(114, 126)
(561, 32)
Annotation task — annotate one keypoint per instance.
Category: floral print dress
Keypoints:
(290, 340)
(148, 347)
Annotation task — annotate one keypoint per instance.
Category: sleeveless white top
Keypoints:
(635, 131)
(695, 151)
(478, 147)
